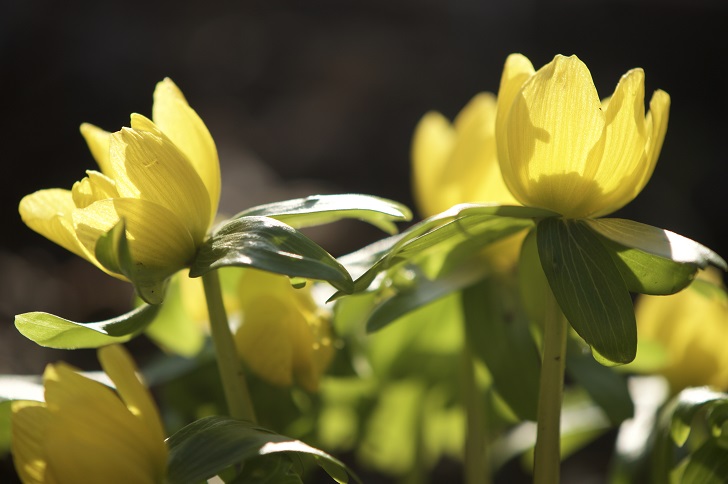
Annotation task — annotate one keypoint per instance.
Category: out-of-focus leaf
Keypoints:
(267, 244)
(497, 331)
(707, 465)
(55, 332)
(656, 241)
(323, 209)
(588, 287)
(607, 388)
(207, 446)
(273, 469)
(688, 403)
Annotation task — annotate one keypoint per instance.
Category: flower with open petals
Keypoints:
(562, 148)
(161, 177)
(284, 333)
(84, 432)
(692, 327)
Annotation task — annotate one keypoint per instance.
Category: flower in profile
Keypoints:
(161, 178)
(692, 328)
(457, 162)
(84, 432)
(563, 149)
(284, 335)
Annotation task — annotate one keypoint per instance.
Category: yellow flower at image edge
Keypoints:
(563, 149)
(84, 432)
(692, 327)
(161, 177)
(284, 334)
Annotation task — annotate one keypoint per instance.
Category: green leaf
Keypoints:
(707, 465)
(588, 287)
(323, 209)
(607, 388)
(687, 404)
(497, 331)
(112, 251)
(55, 332)
(207, 446)
(656, 241)
(269, 469)
(267, 244)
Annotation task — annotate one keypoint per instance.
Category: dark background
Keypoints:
(317, 96)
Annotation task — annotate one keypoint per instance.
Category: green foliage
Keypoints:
(323, 209)
(55, 332)
(210, 445)
(267, 244)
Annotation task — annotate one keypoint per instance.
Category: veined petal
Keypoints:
(554, 136)
(431, 146)
(186, 130)
(158, 241)
(473, 166)
(656, 123)
(516, 71)
(149, 166)
(49, 212)
(623, 163)
(28, 426)
(96, 186)
(98, 143)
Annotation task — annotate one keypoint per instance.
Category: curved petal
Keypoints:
(656, 122)
(28, 426)
(516, 71)
(117, 363)
(623, 163)
(554, 134)
(150, 167)
(186, 130)
(96, 186)
(431, 146)
(50, 213)
(158, 241)
(98, 143)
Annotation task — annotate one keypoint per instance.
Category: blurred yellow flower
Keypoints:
(84, 432)
(162, 178)
(563, 149)
(283, 333)
(457, 162)
(692, 327)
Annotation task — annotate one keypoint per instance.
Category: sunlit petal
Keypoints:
(29, 423)
(431, 146)
(98, 143)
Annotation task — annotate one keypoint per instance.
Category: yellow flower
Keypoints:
(457, 162)
(563, 149)
(84, 432)
(283, 333)
(162, 178)
(692, 327)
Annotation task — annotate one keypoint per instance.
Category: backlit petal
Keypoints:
(656, 123)
(98, 143)
(186, 130)
(431, 146)
(96, 186)
(516, 71)
(554, 136)
(29, 423)
(150, 167)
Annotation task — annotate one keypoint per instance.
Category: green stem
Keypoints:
(477, 465)
(237, 396)
(547, 459)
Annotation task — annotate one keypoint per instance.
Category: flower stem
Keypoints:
(547, 458)
(477, 465)
(237, 396)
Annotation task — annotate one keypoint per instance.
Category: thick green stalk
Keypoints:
(237, 396)
(547, 459)
(477, 465)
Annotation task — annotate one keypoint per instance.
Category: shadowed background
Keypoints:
(322, 97)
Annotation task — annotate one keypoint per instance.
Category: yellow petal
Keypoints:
(117, 363)
(186, 130)
(49, 212)
(431, 146)
(96, 186)
(158, 241)
(149, 166)
(312, 349)
(28, 426)
(554, 138)
(623, 163)
(656, 123)
(516, 71)
(98, 143)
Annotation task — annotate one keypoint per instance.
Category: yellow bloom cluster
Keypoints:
(84, 432)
